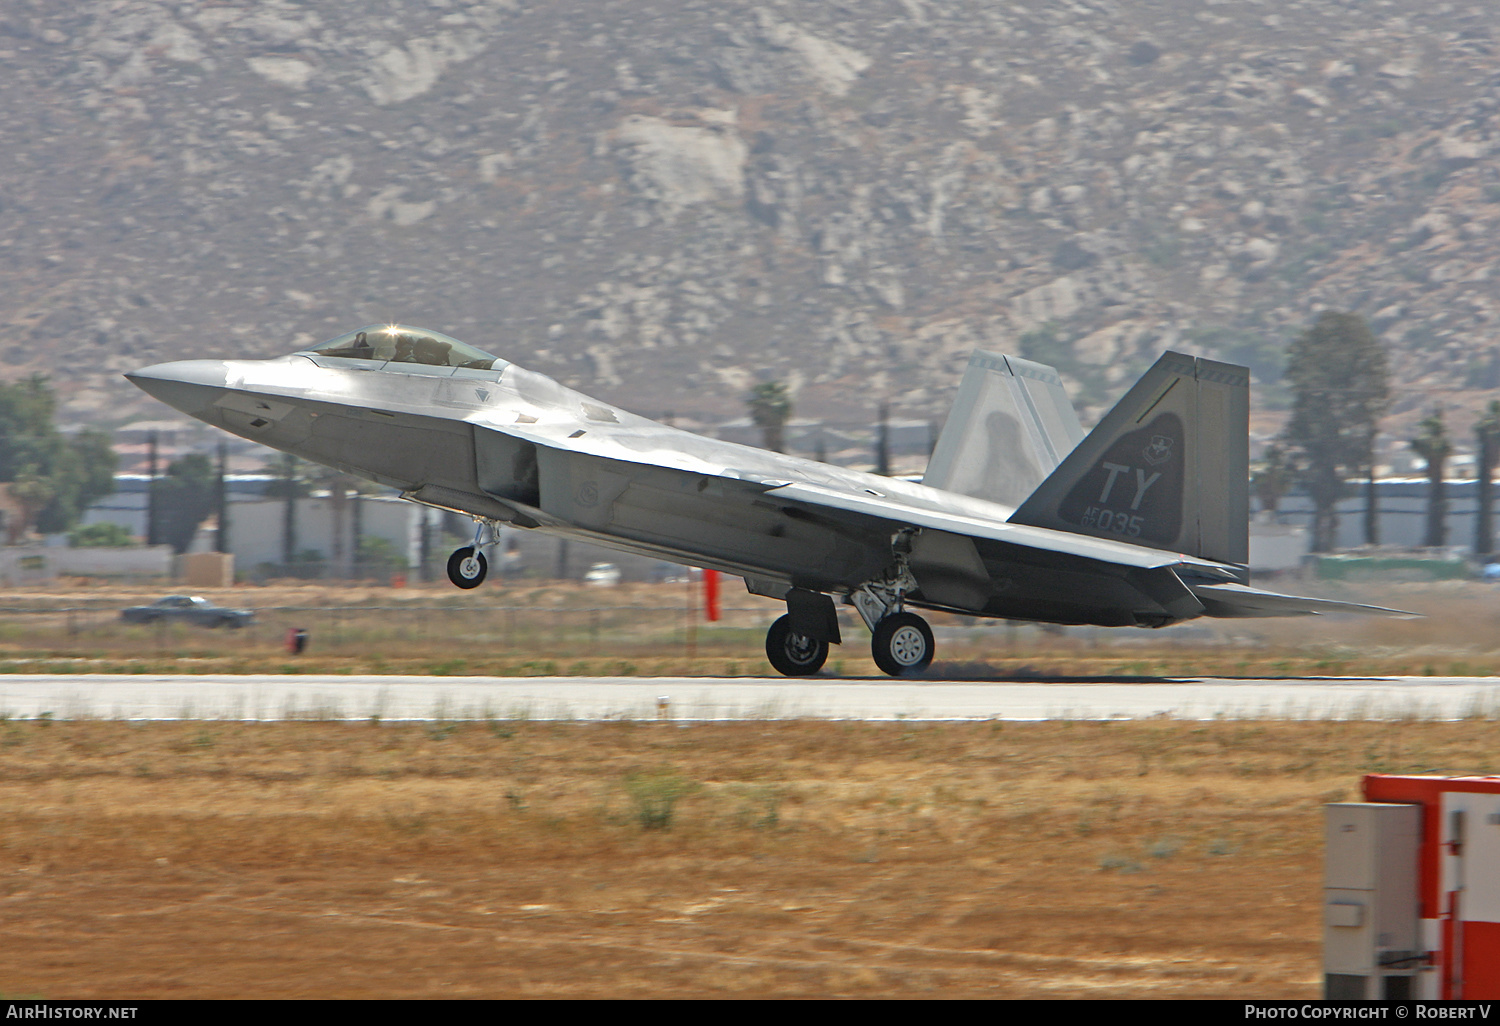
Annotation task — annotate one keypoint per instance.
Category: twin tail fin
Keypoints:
(1168, 467)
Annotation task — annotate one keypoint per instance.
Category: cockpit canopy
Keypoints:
(400, 343)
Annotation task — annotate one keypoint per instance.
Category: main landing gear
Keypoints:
(902, 644)
(797, 643)
(467, 567)
(793, 654)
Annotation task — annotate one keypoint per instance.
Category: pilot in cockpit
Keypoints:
(400, 344)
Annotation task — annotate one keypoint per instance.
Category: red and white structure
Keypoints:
(1412, 890)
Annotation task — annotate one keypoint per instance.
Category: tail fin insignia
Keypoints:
(1134, 491)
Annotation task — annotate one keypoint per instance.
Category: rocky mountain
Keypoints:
(663, 201)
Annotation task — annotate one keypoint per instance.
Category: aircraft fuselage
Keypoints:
(517, 447)
(1143, 521)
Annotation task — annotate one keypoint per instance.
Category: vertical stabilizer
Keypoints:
(1011, 424)
(1168, 467)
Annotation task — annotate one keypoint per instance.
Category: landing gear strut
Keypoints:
(467, 567)
(900, 641)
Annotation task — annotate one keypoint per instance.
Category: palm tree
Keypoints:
(770, 408)
(1432, 445)
(1488, 431)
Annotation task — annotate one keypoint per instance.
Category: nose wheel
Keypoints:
(467, 567)
(902, 645)
(793, 654)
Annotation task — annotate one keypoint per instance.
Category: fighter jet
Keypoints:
(1143, 521)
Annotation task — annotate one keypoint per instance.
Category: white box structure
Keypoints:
(1412, 890)
(1370, 922)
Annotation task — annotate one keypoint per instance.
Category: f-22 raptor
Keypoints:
(1143, 521)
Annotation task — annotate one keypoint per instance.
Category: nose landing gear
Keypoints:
(467, 567)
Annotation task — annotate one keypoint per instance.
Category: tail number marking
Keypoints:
(1116, 522)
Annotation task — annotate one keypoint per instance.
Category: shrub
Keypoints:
(655, 797)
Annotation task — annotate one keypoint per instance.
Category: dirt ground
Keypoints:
(518, 859)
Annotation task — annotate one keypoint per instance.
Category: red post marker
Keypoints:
(296, 640)
(711, 595)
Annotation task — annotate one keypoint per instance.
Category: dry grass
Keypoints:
(509, 859)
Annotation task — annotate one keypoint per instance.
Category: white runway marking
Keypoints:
(264, 697)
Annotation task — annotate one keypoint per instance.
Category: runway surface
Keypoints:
(266, 697)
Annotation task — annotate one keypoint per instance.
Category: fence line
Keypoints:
(422, 629)
(451, 634)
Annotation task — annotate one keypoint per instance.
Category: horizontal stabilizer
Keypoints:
(1237, 600)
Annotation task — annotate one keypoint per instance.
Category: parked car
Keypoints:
(669, 573)
(602, 575)
(188, 609)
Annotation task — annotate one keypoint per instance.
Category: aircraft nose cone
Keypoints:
(188, 385)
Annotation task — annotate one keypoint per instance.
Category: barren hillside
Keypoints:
(659, 201)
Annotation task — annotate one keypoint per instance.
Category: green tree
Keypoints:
(294, 480)
(32, 492)
(1488, 432)
(183, 498)
(1372, 497)
(378, 556)
(1433, 445)
(1337, 373)
(100, 535)
(26, 410)
(71, 472)
(770, 408)
(1272, 478)
(82, 473)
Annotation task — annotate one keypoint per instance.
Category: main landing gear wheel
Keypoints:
(902, 645)
(467, 567)
(793, 654)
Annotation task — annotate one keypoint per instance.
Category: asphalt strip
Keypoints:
(693, 699)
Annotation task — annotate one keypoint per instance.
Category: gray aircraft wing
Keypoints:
(1102, 549)
(1209, 583)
